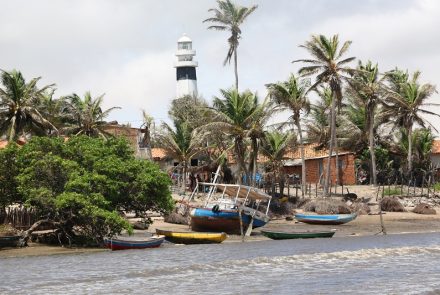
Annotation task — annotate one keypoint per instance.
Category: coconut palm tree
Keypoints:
(331, 69)
(274, 146)
(318, 120)
(292, 96)
(235, 115)
(180, 144)
(20, 110)
(367, 86)
(85, 115)
(406, 99)
(228, 17)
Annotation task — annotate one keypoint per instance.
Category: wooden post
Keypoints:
(382, 224)
(310, 190)
(241, 224)
(316, 190)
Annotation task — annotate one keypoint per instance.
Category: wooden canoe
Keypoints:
(9, 241)
(181, 237)
(283, 235)
(329, 219)
(124, 243)
(228, 221)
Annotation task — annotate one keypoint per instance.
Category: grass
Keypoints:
(391, 191)
(436, 186)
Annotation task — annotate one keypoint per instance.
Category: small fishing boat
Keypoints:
(182, 237)
(328, 219)
(9, 241)
(235, 208)
(284, 235)
(124, 243)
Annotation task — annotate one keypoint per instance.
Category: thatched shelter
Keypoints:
(391, 204)
(424, 208)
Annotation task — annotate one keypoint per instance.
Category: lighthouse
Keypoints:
(185, 68)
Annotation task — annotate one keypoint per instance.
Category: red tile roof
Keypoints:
(158, 153)
(435, 147)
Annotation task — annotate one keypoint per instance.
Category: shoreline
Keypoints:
(363, 225)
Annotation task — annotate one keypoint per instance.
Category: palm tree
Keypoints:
(148, 122)
(367, 86)
(85, 115)
(405, 101)
(228, 17)
(235, 115)
(318, 122)
(291, 95)
(180, 143)
(274, 146)
(330, 68)
(20, 110)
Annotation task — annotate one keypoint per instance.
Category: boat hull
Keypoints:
(227, 221)
(334, 219)
(192, 237)
(126, 244)
(9, 241)
(279, 235)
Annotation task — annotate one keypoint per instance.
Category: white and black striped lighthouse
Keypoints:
(185, 68)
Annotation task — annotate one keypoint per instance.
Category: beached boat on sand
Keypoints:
(284, 235)
(9, 241)
(327, 219)
(230, 208)
(124, 243)
(181, 237)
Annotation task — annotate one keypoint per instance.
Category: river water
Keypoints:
(393, 264)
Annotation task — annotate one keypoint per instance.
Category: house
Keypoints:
(134, 137)
(435, 153)
(316, 163)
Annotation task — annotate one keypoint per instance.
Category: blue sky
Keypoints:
(125, 49)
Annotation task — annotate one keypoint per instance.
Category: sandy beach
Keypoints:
(363, 225)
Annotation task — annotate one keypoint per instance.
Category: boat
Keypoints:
(124, 243)
(284, 235)
(9, 241)
(330, 219)
(182, 237)
(230, 208)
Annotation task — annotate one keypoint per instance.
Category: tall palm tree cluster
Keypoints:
(26, 109)
(330, 101)
(355, 107)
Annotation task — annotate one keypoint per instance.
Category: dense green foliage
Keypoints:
(80, 185)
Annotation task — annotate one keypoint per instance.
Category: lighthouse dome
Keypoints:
(184, 38)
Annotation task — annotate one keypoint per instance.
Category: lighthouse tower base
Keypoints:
(186, 87)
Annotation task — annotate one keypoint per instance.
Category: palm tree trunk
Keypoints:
(236, 69)
(184, 177)
(373, 179)
(254, 160)
(409, 150)
(12, 131)
(239, 154)
(338, 172)
(303, 159)
(330, 149)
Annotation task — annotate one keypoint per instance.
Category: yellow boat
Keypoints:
(183, 237)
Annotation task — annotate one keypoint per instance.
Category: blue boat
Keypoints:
(124, 243)
(224, 205)
(330, 219)
(223, 220)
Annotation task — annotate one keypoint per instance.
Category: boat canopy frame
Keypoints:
(235, 192)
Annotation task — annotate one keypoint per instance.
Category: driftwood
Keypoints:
(26, 235)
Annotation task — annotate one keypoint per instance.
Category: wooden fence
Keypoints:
(18, 217)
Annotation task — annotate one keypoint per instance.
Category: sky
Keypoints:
(125, 49)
